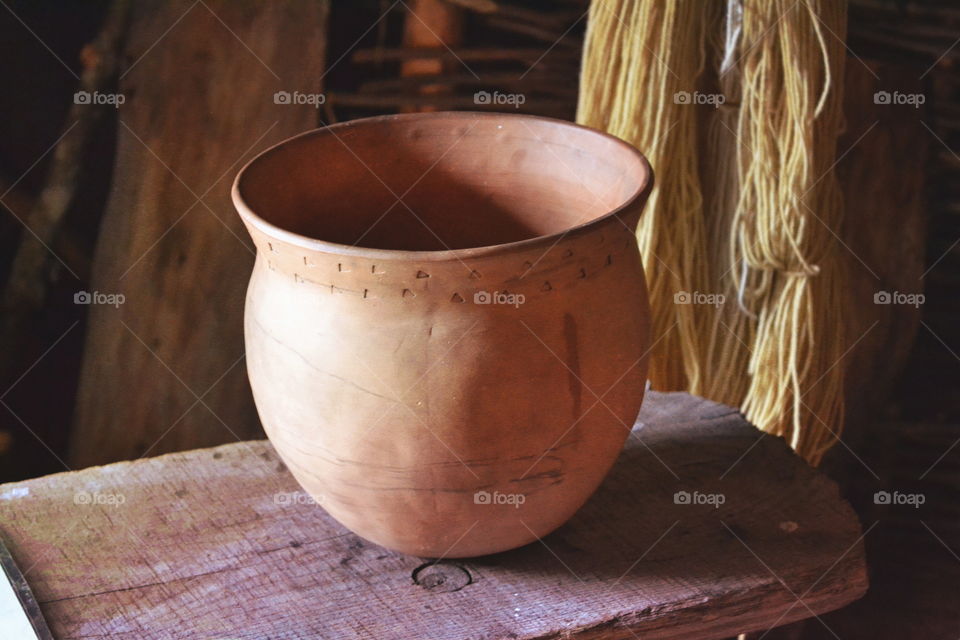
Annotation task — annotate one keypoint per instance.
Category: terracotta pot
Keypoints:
(447, 322)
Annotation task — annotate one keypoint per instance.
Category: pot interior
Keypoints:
(441, 181)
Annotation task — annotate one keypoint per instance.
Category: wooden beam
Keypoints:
(522, 54)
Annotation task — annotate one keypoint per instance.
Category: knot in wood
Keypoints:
(441, 577)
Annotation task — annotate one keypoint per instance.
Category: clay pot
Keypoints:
(447, 322)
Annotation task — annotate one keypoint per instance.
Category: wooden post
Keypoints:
(164, 370)
(430, 24)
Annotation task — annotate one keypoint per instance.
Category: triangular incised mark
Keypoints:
(457, 298)
(423, 274)
(474, 275)
(408, 294)
(582, 274)
(568, 253)
(546, 286)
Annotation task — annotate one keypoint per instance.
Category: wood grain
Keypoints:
(221, 543)
(164, 371)
(882, 172)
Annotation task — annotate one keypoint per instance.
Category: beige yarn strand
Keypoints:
(752, 219)
(639, 57)
(790, 118)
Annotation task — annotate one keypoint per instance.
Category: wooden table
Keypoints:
(704, 529)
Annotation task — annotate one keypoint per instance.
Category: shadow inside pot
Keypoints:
(454, 181)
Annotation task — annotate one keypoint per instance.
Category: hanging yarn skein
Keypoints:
(746, 196)
(641, 60)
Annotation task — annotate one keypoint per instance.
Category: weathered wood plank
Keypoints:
(220, 543)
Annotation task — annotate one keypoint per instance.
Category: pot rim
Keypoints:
(325, 246)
